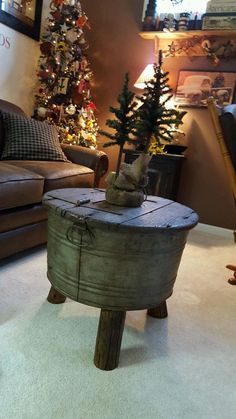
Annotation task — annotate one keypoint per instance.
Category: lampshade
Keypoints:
(145, 76)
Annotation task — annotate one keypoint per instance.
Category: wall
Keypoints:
(17, 68)
(116, 47)
(18, 63)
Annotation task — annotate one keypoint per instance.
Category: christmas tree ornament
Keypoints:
(46, 48)
(71, 109)
(82, 21)
(43, 74)
(69, 2)
(56, 16)
(57, 2)
(64, 28)
(42, 112)
(71, 35)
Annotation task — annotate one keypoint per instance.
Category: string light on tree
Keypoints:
(63, 96)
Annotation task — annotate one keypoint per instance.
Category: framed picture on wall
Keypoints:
(22, 15)
(195, 87)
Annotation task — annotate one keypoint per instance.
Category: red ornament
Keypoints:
(91, 106)
(81, 21)
(57, 2)
(46, 48)
(83, 85)
(43, 74)
(77, 98)
(56, 15)
(83, 63)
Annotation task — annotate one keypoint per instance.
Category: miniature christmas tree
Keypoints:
(63, 97)
(155, 124)
(124, 122)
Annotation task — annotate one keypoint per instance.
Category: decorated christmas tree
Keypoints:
(63, 97)
(155, 123)
(124, 121)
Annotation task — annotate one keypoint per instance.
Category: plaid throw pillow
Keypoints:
(27, 139)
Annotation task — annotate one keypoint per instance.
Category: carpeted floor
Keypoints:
(175, 368)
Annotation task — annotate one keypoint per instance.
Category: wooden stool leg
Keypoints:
(109, 336)
(232, 281)
(159, 312)
(55, 297)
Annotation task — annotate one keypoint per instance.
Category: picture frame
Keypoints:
(195, 87)
(22, 15)
(219, 21)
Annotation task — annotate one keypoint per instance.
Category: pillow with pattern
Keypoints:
(28, 139)
(1, 134)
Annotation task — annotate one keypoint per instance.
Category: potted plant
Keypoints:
(149, 126)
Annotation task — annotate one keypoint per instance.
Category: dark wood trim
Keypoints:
(55, 297)
(159, 312)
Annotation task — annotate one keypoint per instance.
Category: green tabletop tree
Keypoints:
(124, 121)
(154, 121)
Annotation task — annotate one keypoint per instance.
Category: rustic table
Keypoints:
(114, 258)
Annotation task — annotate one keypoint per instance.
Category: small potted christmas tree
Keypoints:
(149, 126)
(124, 121)
(154, 121)
(125, 188)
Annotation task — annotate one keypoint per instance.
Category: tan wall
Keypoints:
(18, 65)
(116, 47)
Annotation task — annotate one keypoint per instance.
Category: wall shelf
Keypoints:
(187, 34)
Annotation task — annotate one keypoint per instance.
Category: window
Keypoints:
(166, 6)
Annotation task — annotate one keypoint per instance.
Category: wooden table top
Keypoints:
(80, 204)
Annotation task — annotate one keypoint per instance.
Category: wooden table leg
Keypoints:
(232, 281)
(109, 337)
(159, 312)
(55, 297)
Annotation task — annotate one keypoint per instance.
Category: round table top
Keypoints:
(80, 204)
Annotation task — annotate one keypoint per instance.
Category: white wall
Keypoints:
(18, 65)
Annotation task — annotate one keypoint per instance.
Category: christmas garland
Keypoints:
(201, 45)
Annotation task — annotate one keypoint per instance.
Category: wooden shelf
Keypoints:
(187, 34)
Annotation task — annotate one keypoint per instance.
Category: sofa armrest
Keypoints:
(94, 159)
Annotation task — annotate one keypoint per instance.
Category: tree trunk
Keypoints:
(119, 159)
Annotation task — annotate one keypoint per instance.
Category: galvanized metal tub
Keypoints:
(112, 257)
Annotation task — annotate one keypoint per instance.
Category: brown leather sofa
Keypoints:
(23, 220)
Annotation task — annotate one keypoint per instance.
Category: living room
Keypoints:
(204, 302)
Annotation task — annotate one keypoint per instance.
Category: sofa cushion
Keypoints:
(28, 139)
(7, 107)
(14, 218)
(19, 186)
(59, 174)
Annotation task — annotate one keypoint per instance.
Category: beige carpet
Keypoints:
(176, 368)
